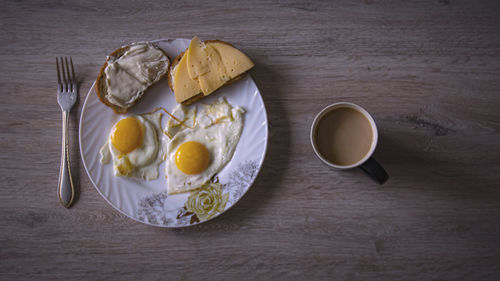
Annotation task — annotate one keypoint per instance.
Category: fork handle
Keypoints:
(66, 189)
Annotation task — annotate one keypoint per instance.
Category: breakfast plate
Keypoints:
(148, 201)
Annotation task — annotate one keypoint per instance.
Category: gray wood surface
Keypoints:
(428, 72)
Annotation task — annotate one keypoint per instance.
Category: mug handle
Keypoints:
(374, 170)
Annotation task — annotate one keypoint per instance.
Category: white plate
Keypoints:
(147, 201)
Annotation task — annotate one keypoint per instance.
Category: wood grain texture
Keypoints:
(428, 72)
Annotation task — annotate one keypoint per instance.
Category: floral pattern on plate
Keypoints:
(202, 204)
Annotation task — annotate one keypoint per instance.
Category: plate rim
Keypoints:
(259, 168)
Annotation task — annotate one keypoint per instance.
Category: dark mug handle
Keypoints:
(374, 170)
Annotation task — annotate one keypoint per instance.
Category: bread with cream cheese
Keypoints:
(152, 71)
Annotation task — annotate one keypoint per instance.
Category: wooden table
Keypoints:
(428, 72)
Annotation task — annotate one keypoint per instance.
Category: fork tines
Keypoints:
(66, 81)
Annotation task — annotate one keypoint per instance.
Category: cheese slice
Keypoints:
(184, 86)
(235, 61)
(216, 77)
(197, 58)
(204, 68)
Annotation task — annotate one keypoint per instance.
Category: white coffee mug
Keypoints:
(366, 163)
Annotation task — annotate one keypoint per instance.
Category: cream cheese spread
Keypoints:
(128, 76)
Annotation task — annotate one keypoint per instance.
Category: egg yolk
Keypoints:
(127, 135)
(192, 158)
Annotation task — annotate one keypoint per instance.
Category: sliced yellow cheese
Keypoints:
(235, 61)
(197, 58)
(184, 86)
(205, 68)
(216, 77)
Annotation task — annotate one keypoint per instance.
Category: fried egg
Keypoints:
(135, 147)
(201, 144)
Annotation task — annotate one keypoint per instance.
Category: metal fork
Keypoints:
(66, 97)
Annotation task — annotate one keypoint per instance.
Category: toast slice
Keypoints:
(154, 68)
(231, 71)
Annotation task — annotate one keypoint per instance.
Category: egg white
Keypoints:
(217, 126)
(144, 160)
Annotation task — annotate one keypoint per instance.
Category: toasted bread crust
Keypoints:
(199, 95)
(101, 87)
